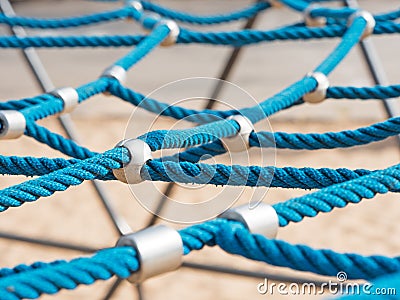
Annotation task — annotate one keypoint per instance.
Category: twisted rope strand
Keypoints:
(40, 278)
(60, 180)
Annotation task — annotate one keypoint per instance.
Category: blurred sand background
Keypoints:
(77, 216)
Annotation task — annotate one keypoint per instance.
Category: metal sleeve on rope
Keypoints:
(309, 20)
(261, 219)
(12, 124)
(159, 250)
(139, 153)
(319, 94)
(239, 142)
(135, 4)
(116, 72)
(173, 34)
(69, 97)
(368, 17)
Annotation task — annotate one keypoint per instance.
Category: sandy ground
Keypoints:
(77, 216)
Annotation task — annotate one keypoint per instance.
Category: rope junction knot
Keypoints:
(246, 231)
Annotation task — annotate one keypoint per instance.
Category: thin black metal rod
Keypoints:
(250, 274)
(229, 64)
(43, 79)
(47, 243)
(114, 287)
(139, 291)
(376, 70)
(224, 75)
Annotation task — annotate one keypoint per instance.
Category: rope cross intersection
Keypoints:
(337, 187)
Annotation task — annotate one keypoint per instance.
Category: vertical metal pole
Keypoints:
(43, 79)
(38, 70)
(376, 70)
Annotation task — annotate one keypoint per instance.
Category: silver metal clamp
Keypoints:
(159, 21)
(319, 94)
(116, 72)
(12, 124)
(159, 250)
(137, 5)
(239, 142)
(173, 33)
(368, 17)
(261, 219)
(139, 153)
(309, 20)
(69, 97)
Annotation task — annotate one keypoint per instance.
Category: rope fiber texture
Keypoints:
(335, 188)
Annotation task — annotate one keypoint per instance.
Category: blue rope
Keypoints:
(337, 187)
(328, 140)
(390, 16)
(163, 139)
(56, 141)
(350, 39)
(41, 278)
(207, 116)
(234, 38)
(94, 167)
(339, 195)
(32, 281)
(32, 166)
(300, 6)
(112, 15)
(144, 47)
(288, 177)
(130, 12)
(234, 238)
(245, 13)
(236, 175)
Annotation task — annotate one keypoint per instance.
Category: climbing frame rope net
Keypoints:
(240, 231)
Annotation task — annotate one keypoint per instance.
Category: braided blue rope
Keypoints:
(32, 166)
(235, 175)
(48, 105)
(339, 195)
(32, 281)
(339, 187)
(302, 178)
(234, 238)
(389, 16)
(375, 92)
(191, 137)
(337, 13)
(56, 141)
(40, 278)
(245, 13)
(208, 116)
(121, 13)
(94, 167)
(288, 177)
(234, 38)
(350, 39)
(163, 139)
(130, 12)
(299, 141)
(24, 103)
(329, 140)
(144, 47)
(70, 41)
